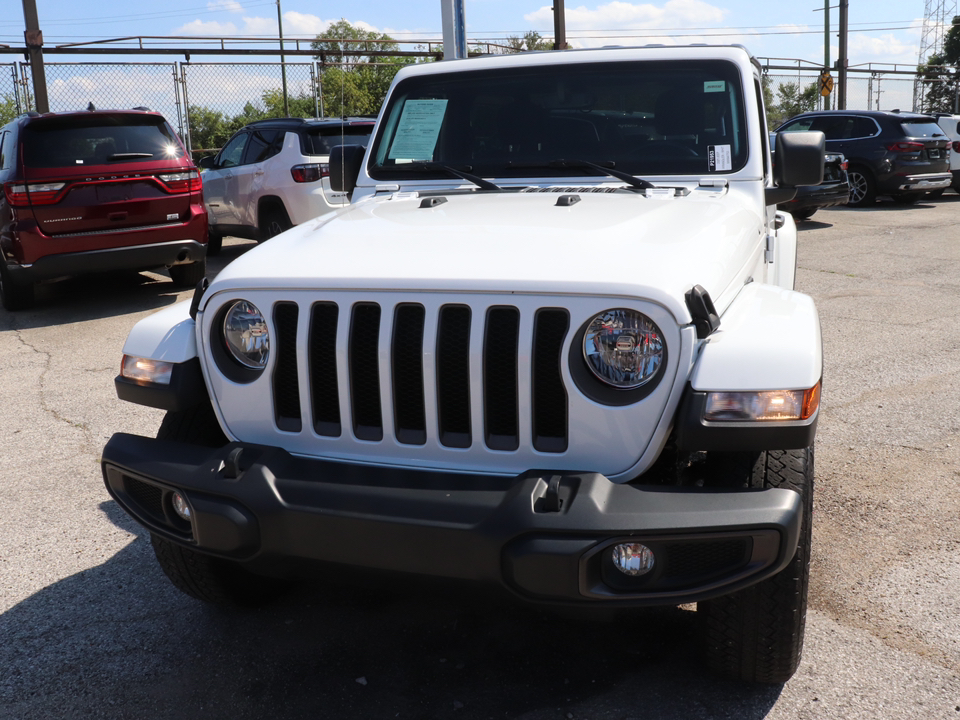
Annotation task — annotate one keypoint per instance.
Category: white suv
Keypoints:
(273, 174)
(950, 124)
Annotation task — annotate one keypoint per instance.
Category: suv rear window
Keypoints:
(97, 140)
(922, 129)
(319, 141)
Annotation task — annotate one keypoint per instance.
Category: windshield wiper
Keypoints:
(469, 177)
(618, 174)
(129, 156)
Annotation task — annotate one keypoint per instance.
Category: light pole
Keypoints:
(283, 65)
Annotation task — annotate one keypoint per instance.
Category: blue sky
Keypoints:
(882, 31)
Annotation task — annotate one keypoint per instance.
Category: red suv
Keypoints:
(95, 191)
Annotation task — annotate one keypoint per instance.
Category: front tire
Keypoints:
(204, 577)
(804, 214)
(756, 634)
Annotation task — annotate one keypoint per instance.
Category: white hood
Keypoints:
(610, 244)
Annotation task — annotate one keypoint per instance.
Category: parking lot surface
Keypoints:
(89, 627)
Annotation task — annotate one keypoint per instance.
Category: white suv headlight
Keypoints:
(623, 348)
(246, 335)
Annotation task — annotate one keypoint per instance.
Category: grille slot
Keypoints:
(409, 414)
(365, 371)
(286, 383)
(325, 395)
(453, 376)
(500, 378)
(549, 395)
(432, 387)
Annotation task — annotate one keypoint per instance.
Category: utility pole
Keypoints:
(842, 60)
(34, 41)
(559, 26)
(454, 29)
(826, 46)
(283, 64)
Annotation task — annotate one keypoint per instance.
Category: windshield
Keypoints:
(72, 141)
(643, 118)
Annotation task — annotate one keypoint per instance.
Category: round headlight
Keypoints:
(623, 348)
(246, 336)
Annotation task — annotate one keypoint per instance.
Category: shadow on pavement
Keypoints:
(118, 641)
(103, 295)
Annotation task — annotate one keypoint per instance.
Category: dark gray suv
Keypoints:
(903, 155)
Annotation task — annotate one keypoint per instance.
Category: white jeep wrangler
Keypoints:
(551, 346)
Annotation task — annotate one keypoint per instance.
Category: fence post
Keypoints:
(186, 107)
(313, 85)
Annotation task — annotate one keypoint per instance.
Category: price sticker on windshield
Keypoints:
(719, 158)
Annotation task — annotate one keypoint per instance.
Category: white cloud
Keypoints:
(228, 5)
(882, 49)
(631, 16)
(212, 27)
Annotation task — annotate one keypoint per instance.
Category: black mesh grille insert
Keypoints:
(325, 395)
(148, 498)
(549, 395)
(365, 371)
(286, 385)
(409, 414)
(500, 378)
(453, 376)
(704, 559)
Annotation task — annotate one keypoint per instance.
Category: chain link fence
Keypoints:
(800, 91)
(207, 102)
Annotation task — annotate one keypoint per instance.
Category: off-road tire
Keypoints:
(188, 274)
(863, 188)
(14, 296)
(211, 579)
(274, 221)
(756, 634)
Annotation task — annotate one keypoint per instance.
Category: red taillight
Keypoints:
(905, 147)
(34, 194)
(844, 165)
(955, 146)
(180, 182)
(310, 173)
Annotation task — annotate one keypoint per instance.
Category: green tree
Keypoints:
(531, 40)
(356, 85)
(941, 82)
(8, 108)
(792, 99)
(209, 129)
(300, 105)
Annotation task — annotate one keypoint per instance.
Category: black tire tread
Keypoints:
(188, 274)
(756, 634)
(207, 578)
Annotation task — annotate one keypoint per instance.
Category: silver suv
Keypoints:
(274, 174)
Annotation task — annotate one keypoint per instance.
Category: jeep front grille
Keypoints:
(448, 350)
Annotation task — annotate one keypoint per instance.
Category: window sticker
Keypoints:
(714, 86)
(418, 130)
(719, 158)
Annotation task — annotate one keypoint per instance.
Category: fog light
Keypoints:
(180, 506)
(633, 559)
(146, 370)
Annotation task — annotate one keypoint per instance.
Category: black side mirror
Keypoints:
(207, 162)
(799, 161)
(345, 163)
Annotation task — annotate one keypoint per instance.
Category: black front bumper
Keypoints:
(546, 536)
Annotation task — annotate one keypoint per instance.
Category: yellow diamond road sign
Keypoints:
(826, 83)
